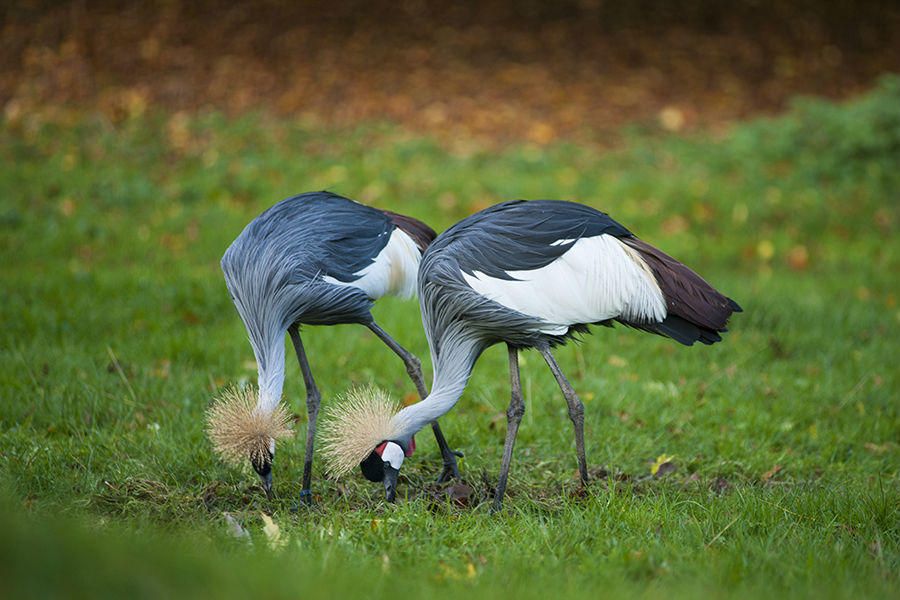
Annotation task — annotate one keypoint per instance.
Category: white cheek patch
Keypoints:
(393, 455)
(272, 446)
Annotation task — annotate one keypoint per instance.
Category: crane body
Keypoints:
(320, 259)
(533, 275)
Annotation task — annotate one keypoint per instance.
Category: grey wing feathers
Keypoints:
(512, 236)
(447, 301)
(522, 236)
(276, 265)
(318, 232)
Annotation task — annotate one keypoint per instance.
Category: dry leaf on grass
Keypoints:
(236, 530)
(276, 539)
(661, 460)
(770, 473)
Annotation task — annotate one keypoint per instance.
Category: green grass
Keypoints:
(117, 332)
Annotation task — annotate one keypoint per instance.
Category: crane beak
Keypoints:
(390, 482)
(263, 468)
(266, 481)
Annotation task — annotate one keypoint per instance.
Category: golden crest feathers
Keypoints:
(238, 430)
(355, 425)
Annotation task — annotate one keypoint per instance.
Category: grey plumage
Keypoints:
(320, 259)
(520, 236)
(278, 261)
(524, 237)
(274, 269)
(532, 275)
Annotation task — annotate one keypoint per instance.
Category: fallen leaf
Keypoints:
(235, 529)
(471, 571)
(660, 461)
(798, 258)
(770, 473)
(674, 224)
(671, 118)
(580, 491)
(67, 207)
(877, 449)
(447, 572)
(542, 133)
(617, 361)
(765, 249)
(273, 533)
(665, 468)
(460, 493)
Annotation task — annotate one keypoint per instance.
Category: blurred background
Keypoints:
(137, 139)
(497, 71)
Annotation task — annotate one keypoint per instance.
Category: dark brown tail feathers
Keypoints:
(696, 310)
(421, 233)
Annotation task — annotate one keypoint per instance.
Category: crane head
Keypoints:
(240, 428)
(262, 464)
(383, 464)
(361, 429)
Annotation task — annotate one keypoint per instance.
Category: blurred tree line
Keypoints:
(508, 70)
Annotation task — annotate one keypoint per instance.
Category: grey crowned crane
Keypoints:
(530, 274)
(314, 259)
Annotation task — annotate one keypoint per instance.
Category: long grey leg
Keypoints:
(513, 418)
(313, 398)
(414, 369)
(576, 411)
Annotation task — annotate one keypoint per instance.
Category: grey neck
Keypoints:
(452, 368)
(271, 376)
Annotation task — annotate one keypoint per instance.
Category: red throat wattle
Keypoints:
(407, 453)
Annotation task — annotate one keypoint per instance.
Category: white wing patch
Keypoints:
(598, 278)
(392, 272)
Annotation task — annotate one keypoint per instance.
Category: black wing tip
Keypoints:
(684, 332)
(734, 306)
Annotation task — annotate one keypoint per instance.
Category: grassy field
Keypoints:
(785, 439)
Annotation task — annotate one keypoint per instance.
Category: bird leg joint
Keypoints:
(312, 402)
(413, 366)
(514, 412)
(576, 412)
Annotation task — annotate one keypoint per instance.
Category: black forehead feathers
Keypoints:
(264, 466)
(372, 467)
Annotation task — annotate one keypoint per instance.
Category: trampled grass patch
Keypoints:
(776, 453)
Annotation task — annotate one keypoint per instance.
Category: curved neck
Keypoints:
(270, 363)
(452, 368)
